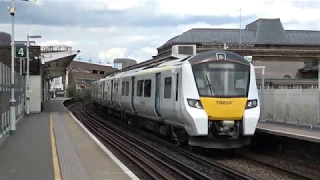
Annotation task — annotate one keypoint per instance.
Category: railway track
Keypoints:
(153, 162)
(174, 167)
(284, 170)
(225, 171)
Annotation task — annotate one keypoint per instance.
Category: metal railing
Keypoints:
(51, 49)
(5, 84)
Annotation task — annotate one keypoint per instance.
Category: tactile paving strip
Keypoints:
(70, 163)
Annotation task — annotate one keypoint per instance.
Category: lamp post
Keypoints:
(12, 100)
(12, 11)
(28, 65)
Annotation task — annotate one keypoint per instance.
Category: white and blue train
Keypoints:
(207, 100)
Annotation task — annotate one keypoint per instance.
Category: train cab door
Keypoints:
(132, 92)
(177, 96)
(157, 94)
(177, 91)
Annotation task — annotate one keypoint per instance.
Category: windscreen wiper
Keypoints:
(212, 90)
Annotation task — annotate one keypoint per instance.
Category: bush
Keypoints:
(72, 90)
(78, 94)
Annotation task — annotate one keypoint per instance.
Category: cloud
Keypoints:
(58, 43)
(112, 54)
(108, 29)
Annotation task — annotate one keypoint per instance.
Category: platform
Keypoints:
(55, 145)
(290, 131)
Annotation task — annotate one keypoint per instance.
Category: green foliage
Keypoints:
(72, 90)
(78, 94)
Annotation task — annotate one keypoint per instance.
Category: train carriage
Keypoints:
(209, 99)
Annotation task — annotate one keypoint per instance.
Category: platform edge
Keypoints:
(289, 134)
(104, 149)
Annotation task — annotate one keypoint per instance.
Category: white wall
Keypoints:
(35, 94)
(293, 106)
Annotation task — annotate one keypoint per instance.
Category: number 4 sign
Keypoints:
(21, 51)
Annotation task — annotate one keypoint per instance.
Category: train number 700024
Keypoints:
(224, 102)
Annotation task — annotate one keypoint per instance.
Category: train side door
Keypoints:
(132, 93)
(157, 94)
(111, 93)
(103, 85)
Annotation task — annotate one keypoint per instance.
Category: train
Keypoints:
(207, 100)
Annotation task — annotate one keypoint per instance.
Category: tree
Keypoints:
(72, 90)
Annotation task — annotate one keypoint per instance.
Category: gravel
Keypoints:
(297, 166)
(176, 155)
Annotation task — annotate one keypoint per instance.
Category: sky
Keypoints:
(107, 29)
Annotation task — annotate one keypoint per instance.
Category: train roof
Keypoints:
(168, 63)
(213, 55)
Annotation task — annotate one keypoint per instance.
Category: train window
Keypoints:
(177, 86)
(127, 88)
(122, 88)
(116, 87)
(139, 88)
(167, 87)
(147, 88)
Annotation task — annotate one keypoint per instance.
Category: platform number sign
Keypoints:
(21, 51)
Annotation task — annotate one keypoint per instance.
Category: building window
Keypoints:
(102, 72)
(147, 88)
(94, 71)
(139, 88)
(287, 77)
(167, 87)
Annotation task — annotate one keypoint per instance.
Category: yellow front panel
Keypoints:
(224, 108)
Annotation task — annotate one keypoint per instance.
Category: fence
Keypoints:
(5, 96)
(291, 106)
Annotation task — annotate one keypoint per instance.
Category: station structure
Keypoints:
(66, 147)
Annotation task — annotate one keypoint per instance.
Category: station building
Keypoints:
(82, 74)
(289, 56)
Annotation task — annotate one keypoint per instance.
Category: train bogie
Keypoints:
(203, 99)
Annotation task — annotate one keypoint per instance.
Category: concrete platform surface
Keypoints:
(27, 154)
(291, 131)
(55, 145)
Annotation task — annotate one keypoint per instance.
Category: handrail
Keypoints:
(48, 49)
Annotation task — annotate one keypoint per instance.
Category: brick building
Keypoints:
(287, 66)
(121, 63)
(5, 53)
(81, 72)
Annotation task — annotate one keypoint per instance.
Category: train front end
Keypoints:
(226, 84)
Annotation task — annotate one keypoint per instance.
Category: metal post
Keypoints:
(20, 60)
(262, 89)
(12, 100)
(262, 92)
(318, 92)
(27, 79)
(240, 30)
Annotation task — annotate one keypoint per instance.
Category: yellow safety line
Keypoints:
(55, 159)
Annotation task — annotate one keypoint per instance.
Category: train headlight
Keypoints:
(252, 103)
(195, 103)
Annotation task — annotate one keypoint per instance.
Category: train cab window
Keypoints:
(167, 87)
(147, 88)
(122, 88)
(127, 88)
(139, 88)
